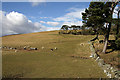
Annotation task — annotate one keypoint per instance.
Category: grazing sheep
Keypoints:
(11, 48)
(55, 48)
(33, 48)
(5, 47)
(16, 50)
(43, 47)
(24, 48)
(36, 48)
(82, 44)
(51, 49)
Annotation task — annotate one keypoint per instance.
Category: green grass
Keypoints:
(45, 63)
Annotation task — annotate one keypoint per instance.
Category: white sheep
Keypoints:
(10, 48)
(82, 44)
(55, 48)
(33, 48)
(43, 47)
(16, 50)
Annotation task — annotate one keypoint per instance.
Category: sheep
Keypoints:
(24, 48)
(82, 44)
(16, 50)
(10, 48)
(43, 47)
(36, 48)
(5, 47)
(33, 49)
(51, 49)
(55, 48)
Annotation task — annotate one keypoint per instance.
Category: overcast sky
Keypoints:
(28, 17)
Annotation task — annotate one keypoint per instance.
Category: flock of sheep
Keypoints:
(29, 48)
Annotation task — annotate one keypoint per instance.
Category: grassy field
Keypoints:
(65, 62)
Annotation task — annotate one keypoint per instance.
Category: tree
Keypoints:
(109, 7)
(65, 27)
(93, 17)
(74, 27)
(97, 15)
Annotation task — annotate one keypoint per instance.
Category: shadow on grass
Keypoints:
(112, 46)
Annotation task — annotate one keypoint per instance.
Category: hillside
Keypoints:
(69, 60)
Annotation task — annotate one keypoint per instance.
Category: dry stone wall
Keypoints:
(110, 71)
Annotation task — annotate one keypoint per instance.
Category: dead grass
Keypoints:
(111, 57)
(44, 63)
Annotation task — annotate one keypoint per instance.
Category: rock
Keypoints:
(97, 59)
(95, 56)
(105, 71)
(108, 66)
(91, 55)
(116, 75)
(101, 62)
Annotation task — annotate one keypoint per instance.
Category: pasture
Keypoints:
(70, 60)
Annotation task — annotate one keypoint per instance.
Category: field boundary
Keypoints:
(110, 71)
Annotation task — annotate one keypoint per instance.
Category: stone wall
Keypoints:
(110, 71)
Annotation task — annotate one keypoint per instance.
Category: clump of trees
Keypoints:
(73, 29)
(99, 17)
(76, 30)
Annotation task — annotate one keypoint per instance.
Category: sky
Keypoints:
(29, 17)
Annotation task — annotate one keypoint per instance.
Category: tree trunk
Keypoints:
(117, 32)
(105, 46)
(105, 35)
(107, 38)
